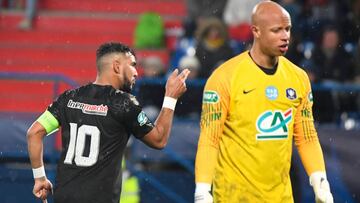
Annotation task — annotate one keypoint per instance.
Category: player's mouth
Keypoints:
(284, 47)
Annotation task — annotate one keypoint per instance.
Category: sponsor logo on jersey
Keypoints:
(310, 97)
(271, 92)
(210, 97)
(142, 118)
(291, 93)
(273, 125)
(92, 109)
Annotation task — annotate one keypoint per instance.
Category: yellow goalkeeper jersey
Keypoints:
(248, 122)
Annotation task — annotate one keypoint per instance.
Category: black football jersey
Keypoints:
(96, 122)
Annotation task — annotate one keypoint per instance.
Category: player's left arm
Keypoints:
(308, 145)
(156, 136)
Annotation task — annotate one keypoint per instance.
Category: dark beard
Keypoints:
(127, 87)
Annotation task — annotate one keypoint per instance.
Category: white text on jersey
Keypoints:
(92, 109)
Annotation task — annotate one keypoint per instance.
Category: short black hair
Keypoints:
(112, 47)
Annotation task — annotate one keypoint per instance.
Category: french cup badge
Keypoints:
(291, 93)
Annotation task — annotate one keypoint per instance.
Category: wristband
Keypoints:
(169, 103)
(39, 172)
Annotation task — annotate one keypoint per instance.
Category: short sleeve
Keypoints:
(131, 114)
(56, 107)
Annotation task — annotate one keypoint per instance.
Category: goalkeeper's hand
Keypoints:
(321, 187)
(203, 193)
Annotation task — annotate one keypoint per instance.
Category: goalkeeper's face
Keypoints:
(274, 32)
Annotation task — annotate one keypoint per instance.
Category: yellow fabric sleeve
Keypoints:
(213, 115)
(48, 121)
(305, 135)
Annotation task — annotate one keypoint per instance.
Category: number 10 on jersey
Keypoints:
(77, 145)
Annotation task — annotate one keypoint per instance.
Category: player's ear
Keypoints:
(255, 30)
(116, 66)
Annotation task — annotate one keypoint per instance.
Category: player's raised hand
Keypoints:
(42, 187)
(175, 85)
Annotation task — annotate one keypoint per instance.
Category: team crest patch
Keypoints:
(273, 125)
(291, 93)
(142, 118)
(211, 97)
(271, 92)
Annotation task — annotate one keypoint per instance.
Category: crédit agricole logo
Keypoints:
(273, 125)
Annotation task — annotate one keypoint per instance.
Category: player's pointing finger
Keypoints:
(174, 73)
(184, 74)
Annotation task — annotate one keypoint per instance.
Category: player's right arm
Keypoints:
(44, 125)
(175, 87)
(47, 123)
(214, 111)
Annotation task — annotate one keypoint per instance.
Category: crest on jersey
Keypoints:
(291, 93)
(273, 125)
(271, 92)
(142, 118)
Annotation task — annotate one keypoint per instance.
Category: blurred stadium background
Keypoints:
(58, 52)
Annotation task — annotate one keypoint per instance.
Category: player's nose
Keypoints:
(135, 74)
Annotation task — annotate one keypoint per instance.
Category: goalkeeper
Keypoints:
(254, 106)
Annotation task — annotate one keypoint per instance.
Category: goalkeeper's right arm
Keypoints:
(204, 172)
(215, 102)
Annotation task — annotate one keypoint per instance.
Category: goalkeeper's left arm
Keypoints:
(308, 145)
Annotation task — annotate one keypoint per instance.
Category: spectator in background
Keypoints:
(205, 8)
(30, 11)
(237, 18)
(331, 61)
(185, 45)
(213, 45)
(331, 65)
(198, 10)
(189, 104)
(191, 63)
(153, 67)
(316, 14)
(237, 12)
